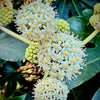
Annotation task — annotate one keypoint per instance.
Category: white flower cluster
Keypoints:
(36, 21)
(59, 53)
(62, 56)
(50, 89)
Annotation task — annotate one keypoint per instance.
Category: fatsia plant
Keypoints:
(46, 58)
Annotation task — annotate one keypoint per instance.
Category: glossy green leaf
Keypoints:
(11, 49)
(22, 97)
(9, 69)
(2, 62)
(79, 26)
(87, 13)
(96, 95)
(92, 66)
(68, 10)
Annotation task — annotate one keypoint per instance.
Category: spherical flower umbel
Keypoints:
(6, 15)
(62, 25)
(50, 89)
(62, 57)
(32, 52)
(36, 21)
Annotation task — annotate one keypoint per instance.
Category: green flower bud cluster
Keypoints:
(31, 53)
(97, 8)
(94, 20)
(6, 15)
(62, 25)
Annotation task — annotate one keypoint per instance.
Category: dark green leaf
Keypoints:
(28, 97)
(92, 66)
(22, 97)
(11, 86)
(96, 95)
(11, 49)
(69, 8)
(79, 26)
(9, 69)
(87, 13)
(2, 62)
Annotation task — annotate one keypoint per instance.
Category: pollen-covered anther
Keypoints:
(49, 94)
(65, 53)
(57, 46)
(32, 17)
(67, 38)
(73, 50)
(21, 22)
(77, 58)
(48, 45)
(66, 45)
(39, 11)
(55, 93)
(58, 57)
(48, 30)
(40, 90)
(34, 26)
(50, 54)
(69, 75)
(81, 60)
(55, 67)
(59, 39)
(45, 68)
(61, 74)
(26, 14)
(72, 60)
(48, 20)
(38, 32)
(28, 33)
(46, 61)
(46, 13)
(41, 6)
(64, 64)
(78, 67)
(70, 69)
(39, 20)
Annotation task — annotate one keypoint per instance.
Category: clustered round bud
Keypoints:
(97, 8)
(31, 53)
(62, 25)
(95, 21)
(62, 56)
(6, 3)
(6, 15)
(36, 21)
(50, 89)
(49, 1)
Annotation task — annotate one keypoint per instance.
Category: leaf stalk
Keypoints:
(90, 37)
(15, 35)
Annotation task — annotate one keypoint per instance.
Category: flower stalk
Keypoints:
(15, 35)
(90, 37)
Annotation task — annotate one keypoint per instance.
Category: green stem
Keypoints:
(63, 8)
(86, 3)
(75, 7)
(74, 94)
(90, 37)
(15, 35)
